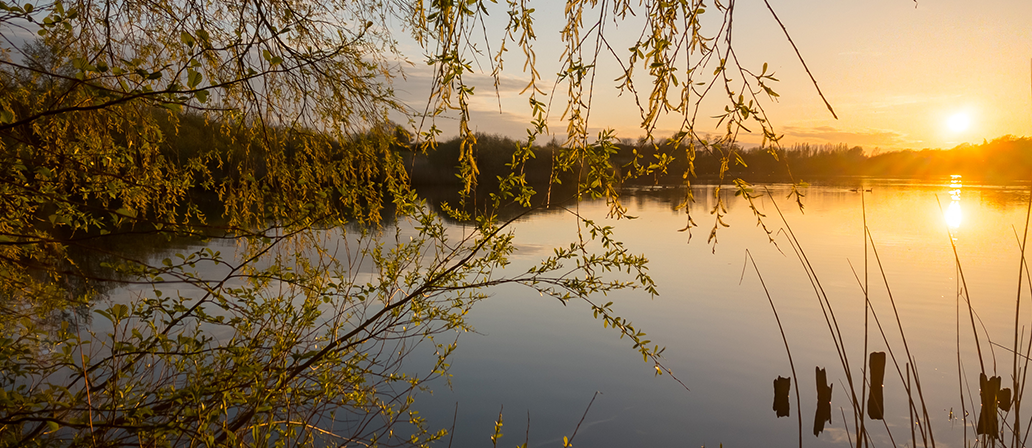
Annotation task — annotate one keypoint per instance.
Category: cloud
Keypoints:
(419, 77)
(870, 54)
(493, 110)
(868, 138)
(866, 102)
(505, 111)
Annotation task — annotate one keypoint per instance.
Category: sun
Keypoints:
(958, 122)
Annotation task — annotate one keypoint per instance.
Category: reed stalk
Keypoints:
(791, 363)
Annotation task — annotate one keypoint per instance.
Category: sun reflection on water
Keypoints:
(954, 216)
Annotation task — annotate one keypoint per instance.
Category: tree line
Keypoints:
(1001, 159)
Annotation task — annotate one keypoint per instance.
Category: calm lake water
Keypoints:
(534, 358)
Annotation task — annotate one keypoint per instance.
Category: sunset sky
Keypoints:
(900, 74)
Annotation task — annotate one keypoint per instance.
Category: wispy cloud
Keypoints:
(868, 138)
(872, 54)
(418, 81)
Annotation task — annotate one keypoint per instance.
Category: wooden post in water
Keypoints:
(876, 400)
(988, 423)
(781, 388)
(823, 414)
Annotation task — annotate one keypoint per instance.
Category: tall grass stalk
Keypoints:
(829, 316)
(910, 411)
(908, 373)
(964, 289)
(1019, 381)
(911, 364)
(964, 292)
(867, 306)
(791, 363)
(960, 367)
(999, 413)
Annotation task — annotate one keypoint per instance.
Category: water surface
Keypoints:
(535, 358)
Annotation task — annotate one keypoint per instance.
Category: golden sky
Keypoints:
(895, 71)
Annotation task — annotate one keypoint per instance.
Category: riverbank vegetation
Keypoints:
(1006, 158)
(299, 276)
(304, 294)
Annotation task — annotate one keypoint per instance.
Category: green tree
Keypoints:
(263, 127)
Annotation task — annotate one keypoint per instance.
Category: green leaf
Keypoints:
(120, 311)
(193, 78)
(106, 314)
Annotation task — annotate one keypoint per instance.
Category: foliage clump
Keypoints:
(294, 269)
